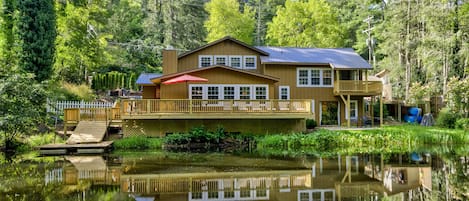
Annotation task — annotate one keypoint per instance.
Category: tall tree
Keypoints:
(309, 23)
(7, 36)
(226, 19)
(37, 33)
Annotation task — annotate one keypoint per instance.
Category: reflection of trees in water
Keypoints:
(451, 177)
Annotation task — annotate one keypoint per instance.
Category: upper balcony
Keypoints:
(357, 87)
(215, 109)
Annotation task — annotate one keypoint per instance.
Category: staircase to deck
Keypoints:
(88, 132)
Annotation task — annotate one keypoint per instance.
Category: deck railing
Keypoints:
(358, 87)
(91, 114)
(162, 106)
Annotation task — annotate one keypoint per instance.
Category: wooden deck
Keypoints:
(358, 87)
(62, 149)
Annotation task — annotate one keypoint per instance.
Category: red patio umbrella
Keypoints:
(185, 78)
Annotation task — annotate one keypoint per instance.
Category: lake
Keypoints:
(146, 176)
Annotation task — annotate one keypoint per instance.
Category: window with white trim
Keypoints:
(284, 92)
(196, 92)
(221, 60)
(353, 110)
(205, 60)
(245, 93)
(314, 77)
(236, 61)
(229, 93)
(250, 62)
(212, 92)
(261, 93)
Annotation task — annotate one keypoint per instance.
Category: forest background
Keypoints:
(49, 48)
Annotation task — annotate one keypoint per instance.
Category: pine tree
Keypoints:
(37, 33)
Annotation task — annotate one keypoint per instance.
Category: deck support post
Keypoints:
(366, 81)
(372, 111)
(399, 110)
(380, 110)
(348, 109)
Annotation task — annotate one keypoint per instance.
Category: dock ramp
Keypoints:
(88, 132)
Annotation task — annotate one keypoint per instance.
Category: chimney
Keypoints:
(170, 61)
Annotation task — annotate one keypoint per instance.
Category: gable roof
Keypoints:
(166, 77)
(145, 78)
(339, 58)
(226, 38)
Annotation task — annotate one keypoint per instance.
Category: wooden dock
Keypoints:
(63, 149)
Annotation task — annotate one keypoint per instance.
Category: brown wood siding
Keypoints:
(149, 92)
(287, 75)
(215, 76)
(225, 48)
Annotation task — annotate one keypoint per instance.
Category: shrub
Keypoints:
(462, 123)
(446, 118)
(311, 124)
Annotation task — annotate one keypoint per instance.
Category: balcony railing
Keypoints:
(358, 87)
(91, 114)
(166, 106)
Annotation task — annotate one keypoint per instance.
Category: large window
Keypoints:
(245, 92)
(261, 93)
(353, 110)
(212, 92)
(314, 77)
(229, 92)
(205, 60)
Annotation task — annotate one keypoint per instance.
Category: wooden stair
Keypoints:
(88, 132)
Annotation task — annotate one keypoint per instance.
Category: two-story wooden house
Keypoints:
(251, 89)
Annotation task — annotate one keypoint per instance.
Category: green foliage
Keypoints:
(458, 96)
(138, 143)
(22, 105)
(37, 33)
(447, 118)
(225, 19)
(462, 123)
(196, 135)
(385, 140)
(305, 24)
(42, 139)
(114, 80)
(311, 123)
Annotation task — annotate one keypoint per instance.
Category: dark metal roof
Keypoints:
(339, 58)
(145, 78)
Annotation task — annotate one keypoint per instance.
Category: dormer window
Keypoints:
(205, 60)
(221, 60)
(250, 62)
(235, 61)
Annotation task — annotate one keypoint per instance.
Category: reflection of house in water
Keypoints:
(89, 168)
(341, 178)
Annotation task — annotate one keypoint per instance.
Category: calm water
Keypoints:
(147, 176)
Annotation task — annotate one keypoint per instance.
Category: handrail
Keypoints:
(164, 106)
(358, 86)
(91, 114)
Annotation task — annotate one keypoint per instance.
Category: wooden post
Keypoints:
(380, 110)
(372, 112)
(399, 110)
(338, 81)
(348, 109)
(366, 81)
(148, 106)
(190, 106)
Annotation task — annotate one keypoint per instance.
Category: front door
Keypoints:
(329, 112)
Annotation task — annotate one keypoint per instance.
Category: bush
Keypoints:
(311, 124)
(446, 118)
(462, 123)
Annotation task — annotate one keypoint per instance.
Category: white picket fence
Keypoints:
(57, 107)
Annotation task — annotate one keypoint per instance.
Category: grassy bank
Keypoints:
(400, 138)
(138, 143)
